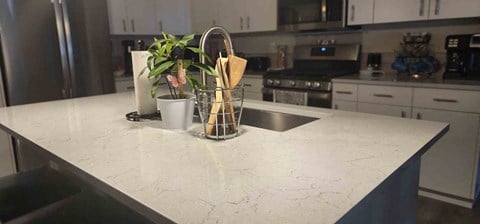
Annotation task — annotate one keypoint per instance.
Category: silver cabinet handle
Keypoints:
(214, 22)
(160, 25)
(248, 22)
(437, 7)
(422, 7)
(344, 92)
(124, 25)
(133, 25)
(241, 23)
(130, 87)
(335, 106)
(247, 85)
(445, 100)
(382, 95)
(404, 114)
(419, 116)
(352, 14)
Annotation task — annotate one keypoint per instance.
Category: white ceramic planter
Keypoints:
(177, 114)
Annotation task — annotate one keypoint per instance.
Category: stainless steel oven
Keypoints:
(309, 82)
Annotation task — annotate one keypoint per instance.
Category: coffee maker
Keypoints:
(463, 57)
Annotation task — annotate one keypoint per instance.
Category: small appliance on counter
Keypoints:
(463, 57)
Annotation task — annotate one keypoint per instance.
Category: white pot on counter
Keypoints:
(177, 114)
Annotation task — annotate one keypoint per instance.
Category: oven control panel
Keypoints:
(298, 84)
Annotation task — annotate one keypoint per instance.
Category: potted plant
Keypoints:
(167, 62)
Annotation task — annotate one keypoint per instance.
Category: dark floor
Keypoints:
(432, 212)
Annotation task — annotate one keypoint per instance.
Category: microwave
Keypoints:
(306, 15)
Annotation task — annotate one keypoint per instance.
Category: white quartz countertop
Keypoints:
(403, 80)
(314, 173)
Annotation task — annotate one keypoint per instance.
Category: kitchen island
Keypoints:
(344, 167)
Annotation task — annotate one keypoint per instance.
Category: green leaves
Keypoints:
(165, 54)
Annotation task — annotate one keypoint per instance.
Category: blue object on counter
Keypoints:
(399, 65)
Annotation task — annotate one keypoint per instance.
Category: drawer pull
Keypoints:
(445, 100)
(247, 85)
(382, 95)
(344, 92)
(130, 87)
(419, 116)
(404, 114)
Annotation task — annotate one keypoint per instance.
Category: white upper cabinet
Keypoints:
(387, 11)
(231, 15)
(132, 16)
(360, 12)
(204, 14)
(141, 14)
(234, 15)
(261, 15)
(173, 17)
(446, 9)
(117, 14)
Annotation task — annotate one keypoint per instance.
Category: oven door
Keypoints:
(285, 96)
(320, 99)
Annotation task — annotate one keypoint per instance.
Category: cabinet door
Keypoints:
(445, 9)
(204, 14)
(360, 12)
(172, 16)
(231, 15)
(381, 109)
(449, 165)
(260, 15)
(387, 11)
(344, 105)
(141, 17)
(117, 15)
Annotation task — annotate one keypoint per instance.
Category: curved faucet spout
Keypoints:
(203, 41)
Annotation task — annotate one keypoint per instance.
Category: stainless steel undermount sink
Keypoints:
(271, 120)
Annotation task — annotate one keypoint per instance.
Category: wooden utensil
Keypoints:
(218, 100)
(236, 68)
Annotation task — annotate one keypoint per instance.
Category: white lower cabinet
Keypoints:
(389, 110)
(253, 87)
(449, 169)
(449, 166)
(344, 105)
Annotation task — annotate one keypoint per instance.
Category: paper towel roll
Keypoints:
(143, 99)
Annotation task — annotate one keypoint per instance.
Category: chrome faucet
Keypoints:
(203, 41)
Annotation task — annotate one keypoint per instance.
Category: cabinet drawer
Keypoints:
(454, 100)
(400, 96)
(344, 105)
(253, 84)
(343, 91)
(388, 110)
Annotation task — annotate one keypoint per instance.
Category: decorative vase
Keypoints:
(177, 114)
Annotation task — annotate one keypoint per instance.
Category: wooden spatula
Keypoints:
(236, 68)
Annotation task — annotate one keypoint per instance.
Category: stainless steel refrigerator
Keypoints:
(53, 49)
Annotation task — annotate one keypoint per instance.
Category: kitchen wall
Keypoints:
(383, 38)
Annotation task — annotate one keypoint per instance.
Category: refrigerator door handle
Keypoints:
(63, 48)
(69, 45)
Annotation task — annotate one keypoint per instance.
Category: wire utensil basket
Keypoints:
(220, 111)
